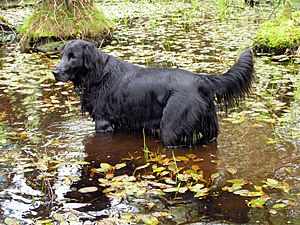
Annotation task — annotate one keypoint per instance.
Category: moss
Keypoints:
(278, 35)
(58, 22)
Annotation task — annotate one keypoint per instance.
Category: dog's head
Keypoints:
(78, 58)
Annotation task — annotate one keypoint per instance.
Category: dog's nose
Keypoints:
(55, 72)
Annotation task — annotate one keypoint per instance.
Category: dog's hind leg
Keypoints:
(174, 123)
(209, 128)
(186, 115)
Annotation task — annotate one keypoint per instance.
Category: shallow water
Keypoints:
(45, 141)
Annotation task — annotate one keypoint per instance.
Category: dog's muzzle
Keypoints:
(55, 72)
(59, 75)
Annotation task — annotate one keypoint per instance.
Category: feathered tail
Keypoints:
(236, 82)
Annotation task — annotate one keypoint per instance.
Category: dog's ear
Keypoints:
(90, 56)
(62, 48)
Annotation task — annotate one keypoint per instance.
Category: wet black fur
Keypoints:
(177, 104)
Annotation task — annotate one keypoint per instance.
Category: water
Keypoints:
(46, 142)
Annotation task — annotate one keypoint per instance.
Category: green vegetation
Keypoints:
(55, 20)
(279, 34)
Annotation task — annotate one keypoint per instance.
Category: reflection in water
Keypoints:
(243, 146)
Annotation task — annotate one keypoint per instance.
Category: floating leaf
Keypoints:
(240, 182)
(256, 193)
(195, 167)
(11, 221)
(88, 189)
(285, 187)
(157, 169)
(258, 202)
(72, 217)
(233, 188)
(3, 116)
(106, 167)
(170, 181)
(191, 156)
(143, 166)
(23, 135)
(272, 182)
(198, 160)
(64, 93)
(67, 181)
(156, 192)
(258, 188)
(232, 170)
(59, 217)
(182, 190)
(164, 173)
(104, 181)
(120, 165)
(279, 205)
(243, 192)
(151, 220)
(83, 163)
(288, 169)
(109, 175)
(26, 170)
(183, 177)
(196, 188)
(182, 158)
(172, 189)
(201, 193)
(148, 177)
(172, 167)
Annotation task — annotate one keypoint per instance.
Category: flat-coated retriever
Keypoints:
(176, 104)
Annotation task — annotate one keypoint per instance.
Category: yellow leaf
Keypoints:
(120, 165)
(232, 170)
(3, 116)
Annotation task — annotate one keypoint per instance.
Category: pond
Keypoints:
(53, 167)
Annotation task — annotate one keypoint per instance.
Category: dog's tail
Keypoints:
(236, 82)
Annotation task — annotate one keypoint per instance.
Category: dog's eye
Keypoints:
(72, 56)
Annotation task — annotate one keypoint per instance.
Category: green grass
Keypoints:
(50, 21)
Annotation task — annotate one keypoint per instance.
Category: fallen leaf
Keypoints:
(88, 189)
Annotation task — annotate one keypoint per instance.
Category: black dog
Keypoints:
(177, 104)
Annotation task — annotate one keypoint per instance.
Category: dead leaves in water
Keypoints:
(260, 194)
(160, 175)
(172, 177)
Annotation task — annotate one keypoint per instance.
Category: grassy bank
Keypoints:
(279, 34)
(62, 22)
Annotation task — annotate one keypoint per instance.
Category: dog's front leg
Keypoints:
(103, 126)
